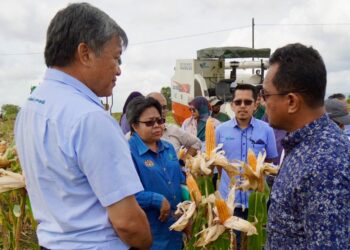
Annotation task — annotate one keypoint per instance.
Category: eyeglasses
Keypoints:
(264, 95)
(245, 102)
(151, 123)
(164, 107)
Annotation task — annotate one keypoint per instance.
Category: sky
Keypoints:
(161, 31)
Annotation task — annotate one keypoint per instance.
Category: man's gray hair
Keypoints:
(75, 24)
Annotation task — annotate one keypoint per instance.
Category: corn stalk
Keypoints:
(200, 220)
(258, 211)
(15, 212)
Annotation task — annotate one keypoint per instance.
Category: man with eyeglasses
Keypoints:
(310, 201)
(240, 134)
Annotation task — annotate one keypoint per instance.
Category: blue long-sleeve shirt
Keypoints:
(161, 176)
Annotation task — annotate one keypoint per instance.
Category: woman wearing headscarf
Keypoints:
(158, 167)
(195, 124)
(123, 120)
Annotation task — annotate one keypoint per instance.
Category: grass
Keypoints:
(6, 129)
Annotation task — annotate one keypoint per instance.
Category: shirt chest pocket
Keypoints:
(259, 146)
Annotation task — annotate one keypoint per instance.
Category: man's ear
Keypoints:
(294, 102)
(84, 54)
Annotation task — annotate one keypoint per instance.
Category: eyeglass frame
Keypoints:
(244, 101)
(265, 96)
(151, 123)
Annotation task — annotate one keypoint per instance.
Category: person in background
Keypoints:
(215, 104)
(240, 134)
(339, 96)
(174, 134)
(195, 124)
(159, 170)
(337, 112)
(342, 99)
(259, 112)
(123, 120)
(310, 196)
(79, 173)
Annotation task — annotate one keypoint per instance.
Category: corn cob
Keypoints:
(209, 136)
(221, 206)
(193, 188)
(181, 153)
(252, 159)
(4, 163)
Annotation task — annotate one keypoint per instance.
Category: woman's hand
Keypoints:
(164, 210)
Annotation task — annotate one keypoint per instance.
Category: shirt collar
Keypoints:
(292, 139)
(64, 78)
(142, 148)
(235, 124)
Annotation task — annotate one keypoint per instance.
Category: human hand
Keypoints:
(164, 210)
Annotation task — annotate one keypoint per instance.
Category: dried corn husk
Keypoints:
(10, 181)
(209, 235)
(239, 224)
(187, 209)
(254, 172)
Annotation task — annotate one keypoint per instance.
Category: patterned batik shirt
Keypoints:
(310, 198)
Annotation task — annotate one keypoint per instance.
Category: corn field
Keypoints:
(18, 227)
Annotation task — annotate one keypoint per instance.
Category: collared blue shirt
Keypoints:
(161, 176)
(76, 162)
(258, 136)
(310, 197)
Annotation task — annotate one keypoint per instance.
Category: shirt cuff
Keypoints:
(157, 200)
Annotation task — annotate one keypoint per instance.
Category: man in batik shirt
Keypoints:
(310, 198)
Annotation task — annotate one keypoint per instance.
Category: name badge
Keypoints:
(149, 163)
(229, 138)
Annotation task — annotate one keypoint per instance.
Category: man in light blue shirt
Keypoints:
(241, 133)
(237, 136)
(79, 173)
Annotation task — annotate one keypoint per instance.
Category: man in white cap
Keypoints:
(215, 104)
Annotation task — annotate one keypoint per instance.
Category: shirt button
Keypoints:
(164, 169)
(169, 182)
(174, 197)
